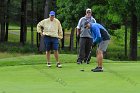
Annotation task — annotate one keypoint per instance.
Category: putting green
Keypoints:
(116, 78)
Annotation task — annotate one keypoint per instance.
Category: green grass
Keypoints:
(9, 55)
(14, 36)
(29, 74)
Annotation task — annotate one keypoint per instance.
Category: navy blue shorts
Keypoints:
(51, 43)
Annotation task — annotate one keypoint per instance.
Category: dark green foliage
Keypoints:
(70, 11)
(17, 48)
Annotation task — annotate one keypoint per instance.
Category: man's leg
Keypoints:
(102, 47)
(99, 58)
(81, 51)
(47, 45)
(48, 58)
(56, 55)
(88, 50)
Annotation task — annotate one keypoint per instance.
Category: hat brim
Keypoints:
(52, 15)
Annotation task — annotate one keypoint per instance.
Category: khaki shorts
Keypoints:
(103, 45)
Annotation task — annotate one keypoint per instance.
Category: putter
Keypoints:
(77, 42)
(82, 68)
(87, 59)
(89, 55)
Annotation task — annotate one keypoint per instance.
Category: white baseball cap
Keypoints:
(88, 9)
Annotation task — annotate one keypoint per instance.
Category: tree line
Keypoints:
(111, 13)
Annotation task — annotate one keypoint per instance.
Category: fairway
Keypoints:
(116, 78)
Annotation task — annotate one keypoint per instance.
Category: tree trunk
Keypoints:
(46, 9)
(63, 39)
(7, 20)
(2, 31)
(133, 33)
(2, 20)
(77, 40)
(125, 48)
(49, 6)
(23, 29)
(39, 18)
(41, 46)
(32, 33)
(72, 39)
(37, 35)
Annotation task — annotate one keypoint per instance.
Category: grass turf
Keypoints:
(34, 77)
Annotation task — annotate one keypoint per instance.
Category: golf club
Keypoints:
(77, 43)
(89, 55)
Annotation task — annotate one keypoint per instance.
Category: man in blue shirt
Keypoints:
(101, 38)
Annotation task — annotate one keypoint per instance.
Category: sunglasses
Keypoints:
(88, 12)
